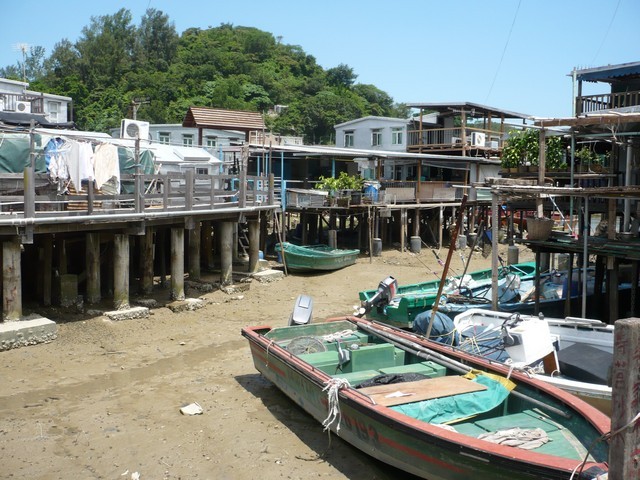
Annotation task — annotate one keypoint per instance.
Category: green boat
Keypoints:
(308, 258)
(428, 409)
(407, 301)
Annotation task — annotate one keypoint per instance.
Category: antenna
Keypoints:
(23, 47)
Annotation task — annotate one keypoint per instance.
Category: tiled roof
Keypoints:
(202, 117)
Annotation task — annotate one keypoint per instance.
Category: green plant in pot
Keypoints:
(585, 158)
(521, 149)
(554, 154)
(341, 186)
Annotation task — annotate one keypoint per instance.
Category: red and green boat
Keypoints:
(428, 409)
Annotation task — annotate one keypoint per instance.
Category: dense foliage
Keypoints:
(114, 63)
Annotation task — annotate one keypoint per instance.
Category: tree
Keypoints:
(106, 49)
(341, 76)
(157, 41)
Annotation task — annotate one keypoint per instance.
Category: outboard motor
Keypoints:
(302, 311)
(387, 289)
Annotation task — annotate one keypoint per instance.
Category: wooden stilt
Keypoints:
(254, 243)
(146, 261)
(93, 293)
(121, 271)
(194, 252)
(47, 264)
(177, 263)
(226, 252)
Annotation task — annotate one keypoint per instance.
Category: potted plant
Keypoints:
(341, 187)
(511, 153)
(585, 157)
(554, 154)
(521, 149)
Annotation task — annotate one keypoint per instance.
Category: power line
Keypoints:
(606, 33)
(504, 50)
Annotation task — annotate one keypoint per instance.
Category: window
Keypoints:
(348, 138)
(396, 136)
(376, 137)
(164, 138)
(187, 140)
(54, 111)
(212, 142)
(202, 171)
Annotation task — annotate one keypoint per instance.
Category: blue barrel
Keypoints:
(371, 191)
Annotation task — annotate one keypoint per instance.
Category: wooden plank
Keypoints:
(409, 392)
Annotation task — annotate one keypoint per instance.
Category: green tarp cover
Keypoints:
(456, 407)
(14, 155)
(14, 152)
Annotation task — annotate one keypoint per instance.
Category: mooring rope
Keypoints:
(333, 387)
(332, 337)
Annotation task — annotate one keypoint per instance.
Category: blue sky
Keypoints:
(510, 54)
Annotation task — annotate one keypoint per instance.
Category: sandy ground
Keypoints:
(103, 400)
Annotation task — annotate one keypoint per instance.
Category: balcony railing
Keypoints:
(447, 139)
(606, 101)
(16, 102)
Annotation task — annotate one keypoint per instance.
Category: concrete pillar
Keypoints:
(121, 271)
(624, 405)
(11, 280)
(146, 262)
(177, 263)
(333, 238)
(194, 252)
(226, 252)
(254, 243)
(92, 260)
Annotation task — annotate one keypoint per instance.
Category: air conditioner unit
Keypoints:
(478, 139)
(456, 140)
(134, 129)
(23, 107)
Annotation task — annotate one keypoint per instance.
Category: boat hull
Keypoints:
(315, 257)
(421, 449)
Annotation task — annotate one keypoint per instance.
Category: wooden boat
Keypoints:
(453, 416)
(574, 354)
(308, 258)
(411, 299)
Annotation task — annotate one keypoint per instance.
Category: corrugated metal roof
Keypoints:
(474, 110)
(608, 73)
(203, 117)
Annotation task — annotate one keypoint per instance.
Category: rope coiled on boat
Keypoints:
(333, 387)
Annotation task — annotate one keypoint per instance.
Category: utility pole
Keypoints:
(135, 105)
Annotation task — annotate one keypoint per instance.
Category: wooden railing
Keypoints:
(25, 198)
(451, 139)
(606, 101)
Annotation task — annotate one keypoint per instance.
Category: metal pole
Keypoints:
(585, 256)
(495, 228)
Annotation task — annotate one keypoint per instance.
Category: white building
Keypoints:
(15, 98)
(373, 133)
